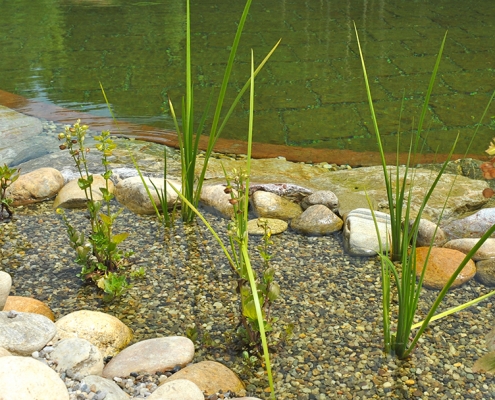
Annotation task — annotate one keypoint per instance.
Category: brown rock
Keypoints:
(28, 305)
(72, 196)
(34, 187)
(210, 377)
(441, 265)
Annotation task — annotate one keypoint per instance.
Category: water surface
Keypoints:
(310, 94)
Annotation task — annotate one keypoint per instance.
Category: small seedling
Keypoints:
(7, 177)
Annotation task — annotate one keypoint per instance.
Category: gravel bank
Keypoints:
(332, 299)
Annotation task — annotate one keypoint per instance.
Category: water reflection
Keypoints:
(311, 93)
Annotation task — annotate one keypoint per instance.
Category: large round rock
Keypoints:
(441, 265)
(24, 378)
(105, 331)
(151, 356)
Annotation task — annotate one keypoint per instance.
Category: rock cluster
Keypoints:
(41, 359)
(305, 210)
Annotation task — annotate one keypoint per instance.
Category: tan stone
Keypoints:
(24, 378)
(441, 265)
(28, 305)
(104, 331)
(132, 194)
(275, 226)
(210, 377)
(214, 196)
(467, 194)
(270, 205)
(317, 220)
(151, 356)
(4, 352)
(72, 196)
(36, 186)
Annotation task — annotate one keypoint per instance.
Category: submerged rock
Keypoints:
(317, 220)
(34, 187)
(441, 265)
(210, 377)
(151, 356)
(270, 205)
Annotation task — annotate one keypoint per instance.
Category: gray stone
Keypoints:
(323, 197)
(79, 355)
(473, 226)
(270, 205)
(276, 226)
(132, 194)
(487, 249)
(360, 238)
(23, 333)
(151, 356)
(426, 230)
(485, 272)
(24, 378)
(17, 135)
(110, 388)
(317, 220)
(5, 285)
(179, 389)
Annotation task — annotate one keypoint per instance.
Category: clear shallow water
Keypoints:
(310, 94)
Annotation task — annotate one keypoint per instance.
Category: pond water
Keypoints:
(311, 92)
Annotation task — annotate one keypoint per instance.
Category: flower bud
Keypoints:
(62, 147)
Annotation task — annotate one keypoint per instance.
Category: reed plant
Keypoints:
(398, 256)
(189, 133)
(257, 294)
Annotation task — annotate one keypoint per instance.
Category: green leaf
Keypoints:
(120, 237)
(249, 310)
(106, 219)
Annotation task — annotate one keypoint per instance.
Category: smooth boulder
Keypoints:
(23, 333)
(28, 305)
(210, 377)
(270, 205)
(24, 378)
(182, 389)
(132, 194)
(72, 196)
(151, 356)
(317, 220)
(105, 331)
(36, 186)
(441, 265)
(5, 285)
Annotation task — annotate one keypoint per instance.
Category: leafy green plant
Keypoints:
(98, 254)
(256, 295)
(189, 134)
(7, 177)
(402, 246)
